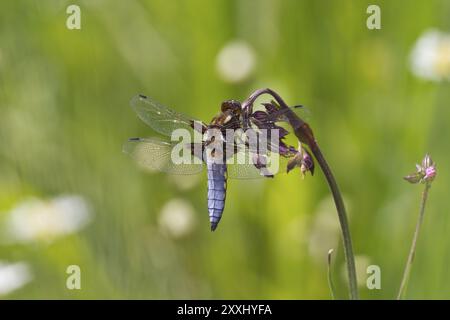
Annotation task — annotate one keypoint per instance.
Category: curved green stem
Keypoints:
(340, 207)
(305, 135)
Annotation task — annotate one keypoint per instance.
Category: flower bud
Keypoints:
(413, 178)
(426, 172)
(307, 163)
(430, 173)
(303, 160)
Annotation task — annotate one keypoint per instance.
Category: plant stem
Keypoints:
(330, 277)
(305, 135)
(412, 251)
(340, 207)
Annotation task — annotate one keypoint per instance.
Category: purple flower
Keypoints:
(303, 160)
(426, 172)
(267, 120)
(271, 107)
(430, 173)
(307, 163)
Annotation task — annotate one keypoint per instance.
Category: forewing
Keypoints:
(154, 154)
(159, 117)
(279, 115)
(247, 164)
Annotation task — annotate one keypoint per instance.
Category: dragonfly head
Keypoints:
(231, 105)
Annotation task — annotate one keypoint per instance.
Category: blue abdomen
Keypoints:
(217, 187)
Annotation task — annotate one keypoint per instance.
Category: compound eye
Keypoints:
(232, 105)
(236, 105)
(226, 105)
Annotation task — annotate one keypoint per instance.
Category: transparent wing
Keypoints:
(250, 155)
(159, 117)
(154, 154)
(277, 114)
(301, 111)
(248, 164)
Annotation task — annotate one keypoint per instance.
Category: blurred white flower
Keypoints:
(184, 182)
(177, 218)
(361, 264)
(325, 231)
(235, 61)
(13, 276)
(430, 57)
(37, 219)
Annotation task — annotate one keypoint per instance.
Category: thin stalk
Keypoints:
(330, 277)
(305, 135)
(412, 251)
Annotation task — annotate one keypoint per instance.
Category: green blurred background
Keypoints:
(64, 101)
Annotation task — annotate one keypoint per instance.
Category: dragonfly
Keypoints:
(213, 147)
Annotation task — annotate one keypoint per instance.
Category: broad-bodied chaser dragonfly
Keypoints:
(234, 145)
